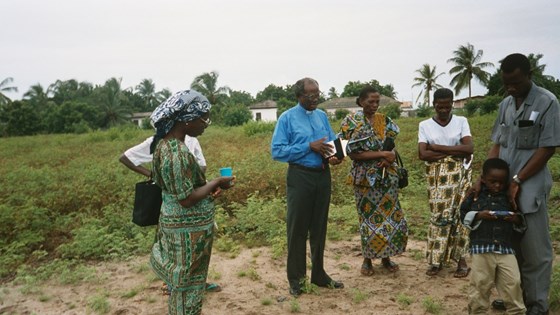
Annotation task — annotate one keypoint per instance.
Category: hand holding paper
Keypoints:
(337, 149)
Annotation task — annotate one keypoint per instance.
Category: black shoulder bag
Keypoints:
(402, 172)
(147, 204)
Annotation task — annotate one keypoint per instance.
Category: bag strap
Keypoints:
(399, 160)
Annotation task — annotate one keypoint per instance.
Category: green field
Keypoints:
(65, 199)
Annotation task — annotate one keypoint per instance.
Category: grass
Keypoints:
(271, 285)
(250, 273)
(404, 300)
(294, 306)
(358, 296)
(131, 293)
(308, 287)
(213, 274)
(431, 305)
(62, 215)
(417, 254)
(266, 301)
(344, 266)
(99, 303)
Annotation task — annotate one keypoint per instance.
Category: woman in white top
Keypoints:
(139, 154)
(445, 144)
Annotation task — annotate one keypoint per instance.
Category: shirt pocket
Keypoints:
(528, 137)
(504, 132)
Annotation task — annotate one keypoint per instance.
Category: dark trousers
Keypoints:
(308, 194)
(535, 257)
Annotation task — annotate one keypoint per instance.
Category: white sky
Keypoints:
(254, 43)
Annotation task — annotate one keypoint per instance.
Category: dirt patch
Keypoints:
(254, 283)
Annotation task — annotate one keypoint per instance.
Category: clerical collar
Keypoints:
(307, 112)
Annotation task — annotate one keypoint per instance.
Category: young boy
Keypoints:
(493, 224)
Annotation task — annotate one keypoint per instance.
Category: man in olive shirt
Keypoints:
(525, 135)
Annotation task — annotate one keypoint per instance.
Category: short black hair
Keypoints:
(443, 93)
(366, 90)
(516, 61)
(493, 164)
(299, 87)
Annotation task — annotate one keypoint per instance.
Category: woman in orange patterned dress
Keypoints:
(383, 227)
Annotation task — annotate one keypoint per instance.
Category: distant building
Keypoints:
(460, 103)
(137, 118)
(264, 111)
(407, 110)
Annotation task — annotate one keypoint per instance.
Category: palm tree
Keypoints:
(427, 80)
(69, 90)
(163, 95)
(113, 109)
(537, 70)
(5, 88)
(207, 84)
(147, 91)
(332, 93)
(468, 65)
(36, 95)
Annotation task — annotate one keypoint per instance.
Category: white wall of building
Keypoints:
(266, 114)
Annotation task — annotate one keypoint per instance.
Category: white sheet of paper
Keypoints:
(534, 116)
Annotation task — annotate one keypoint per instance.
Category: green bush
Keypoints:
(392, 110)
(341, 113)
(236, 115)
(424, 111)
(256, 127)
(259, 222)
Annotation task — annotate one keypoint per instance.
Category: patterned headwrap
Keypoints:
(185, 106)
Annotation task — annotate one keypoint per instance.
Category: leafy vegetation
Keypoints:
(432, 305)
(65, 199)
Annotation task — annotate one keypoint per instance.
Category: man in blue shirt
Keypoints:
(300, 139)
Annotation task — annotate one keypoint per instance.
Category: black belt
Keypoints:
(311, 169)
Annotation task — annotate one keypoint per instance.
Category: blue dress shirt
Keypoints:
(295, 129)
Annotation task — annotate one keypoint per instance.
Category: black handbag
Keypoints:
(402, 172)
(147, 204)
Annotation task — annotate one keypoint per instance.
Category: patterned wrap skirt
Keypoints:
(383, 227)
(181, 253)
(448, 239)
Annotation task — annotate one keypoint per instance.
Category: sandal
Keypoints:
(433, 270)
(165, 289)
(462, 272)
(213, 287)
(367, 270)
(389, 265)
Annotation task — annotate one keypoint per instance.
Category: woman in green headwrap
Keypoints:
(181, 253)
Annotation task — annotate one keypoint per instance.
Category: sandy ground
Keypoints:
(131, 288)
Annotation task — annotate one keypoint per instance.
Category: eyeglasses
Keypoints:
(206, 122)
(312, 96)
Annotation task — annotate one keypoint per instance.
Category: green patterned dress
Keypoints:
(181, 253)
(383, 227)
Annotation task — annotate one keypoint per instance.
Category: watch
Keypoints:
(516, 179)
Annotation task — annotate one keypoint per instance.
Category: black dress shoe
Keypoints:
(332, 284)
(499, 304)
(295, 291)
